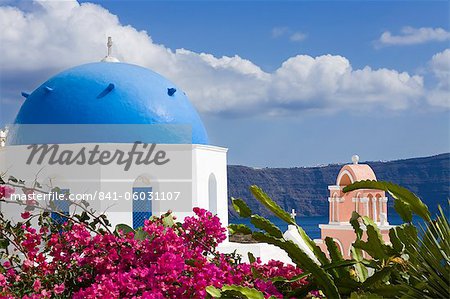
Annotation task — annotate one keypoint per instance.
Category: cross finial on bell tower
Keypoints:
(293, 214)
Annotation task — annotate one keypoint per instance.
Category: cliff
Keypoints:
(305, 188)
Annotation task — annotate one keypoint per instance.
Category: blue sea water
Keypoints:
(310, 224)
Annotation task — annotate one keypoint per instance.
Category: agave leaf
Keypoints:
(302, 291)
(365, 295)
(266, 225)
(320, 255)
(360, 269)
(293, 279)
(375, 243)
(249, 293)
(354, 221)
(404, 210)
(356, 253)
(239, 228)
(430, 259)
(213, 291)
(271, 205)
(340, 264)
(395, 240)
(300, 258)
(241, 207)
(336, 258)
(378, 278)
(398, 193)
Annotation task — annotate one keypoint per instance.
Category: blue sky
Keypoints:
(399, 122)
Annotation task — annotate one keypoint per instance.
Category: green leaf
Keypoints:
(375, 244)
(251, 257)
(124, 228)
(395, 240)
(398, 193)
(354, 221)
(340, 264)
(293, 279)
(271, 205)
(4, 243)
(13, 179)
(361, 270)
(245, 291)
(378, 278)
(140, 234)
(239, 228)
(266, 225)
(241, 207)
(319, 254)
(213, 291)
(403, 210)
(168, 221)
(365, 296)
(336, 259)
(302, 259)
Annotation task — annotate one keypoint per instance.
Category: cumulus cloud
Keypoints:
(440, 67)
(54, 35)
(413, 36)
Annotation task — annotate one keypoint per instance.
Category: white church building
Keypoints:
(114, 108)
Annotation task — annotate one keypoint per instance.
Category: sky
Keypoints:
(281, 84)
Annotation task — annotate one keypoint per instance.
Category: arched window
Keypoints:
(357, 201)
(370, 206)
(378, 202)
(142, 201)
(345, 180)
(60, 204)
(212, 193)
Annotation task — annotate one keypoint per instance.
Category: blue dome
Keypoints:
(106, 93)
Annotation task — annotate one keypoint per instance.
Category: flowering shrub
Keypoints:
(82, 258)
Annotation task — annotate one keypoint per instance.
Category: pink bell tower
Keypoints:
(371, 203)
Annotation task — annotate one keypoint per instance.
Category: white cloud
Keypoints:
(279, 31)
(413, 36)
(55, 36)
(297, 36)
(294, 36)
(440, 66)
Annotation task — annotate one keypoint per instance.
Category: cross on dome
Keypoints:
(109, 57)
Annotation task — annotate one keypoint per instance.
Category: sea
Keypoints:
(311, 224)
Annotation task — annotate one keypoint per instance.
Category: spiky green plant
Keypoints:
(415, 264)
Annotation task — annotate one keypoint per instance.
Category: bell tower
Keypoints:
(366, 202)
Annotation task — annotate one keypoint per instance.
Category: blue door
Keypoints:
(142, 205)
(62, 206)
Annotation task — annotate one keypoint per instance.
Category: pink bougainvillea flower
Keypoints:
(25, 215)
(59, 288)
(2, 280)
(37, 285)
(177, 261)
(6, 191)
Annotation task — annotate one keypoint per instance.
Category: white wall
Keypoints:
(187, 172)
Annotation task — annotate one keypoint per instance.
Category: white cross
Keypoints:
(293, 214)
(109, 44)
